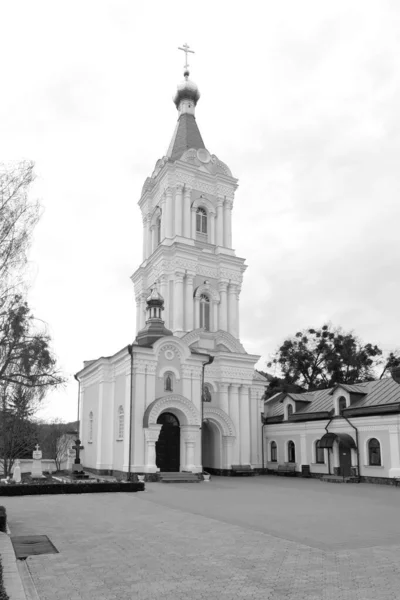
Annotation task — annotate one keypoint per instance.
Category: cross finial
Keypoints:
(37, 447)
(186, 50)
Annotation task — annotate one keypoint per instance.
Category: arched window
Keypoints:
(319, 453)
(291, 452)
(341, 404)
(90, 427)
(168, 382)
(207, 397)
(121, 423)
(289, 410)
(274, 453)
(201, 221)
(374, 453)
(205, 312)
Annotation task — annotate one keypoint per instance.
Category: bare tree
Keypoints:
(18, 217)
(55, 441)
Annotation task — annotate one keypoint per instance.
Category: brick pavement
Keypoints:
(214, 541)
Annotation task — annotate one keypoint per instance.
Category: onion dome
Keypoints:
(155, 327)
(187, 90)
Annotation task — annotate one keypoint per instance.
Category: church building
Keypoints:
(184, 396)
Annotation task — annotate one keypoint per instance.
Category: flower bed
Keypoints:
(77, 487)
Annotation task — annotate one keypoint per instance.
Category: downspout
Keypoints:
(329, 456)
(79, 401)
(357, 449)
(130, 350)
(210, 360)
(262, 442)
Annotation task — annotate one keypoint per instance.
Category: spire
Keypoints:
(155, 327)
(186, 134)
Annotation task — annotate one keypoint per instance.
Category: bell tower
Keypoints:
(186, 207)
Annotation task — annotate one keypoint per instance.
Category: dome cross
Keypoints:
(186, 50)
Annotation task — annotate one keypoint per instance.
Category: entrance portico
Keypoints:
(188, 418)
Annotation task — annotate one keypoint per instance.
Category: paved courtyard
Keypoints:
(266, 538)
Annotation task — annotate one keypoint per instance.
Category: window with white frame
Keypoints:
(291, 452)
(201, 221)
(319, 453)
(205, 312)
(374, 453)
(121, 423)
(273, 452)
(90, 432)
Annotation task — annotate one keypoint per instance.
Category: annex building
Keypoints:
(350, 431)
(142, 409)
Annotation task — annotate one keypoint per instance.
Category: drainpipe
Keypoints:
(210, 360)
(262, 442)
(79, 400)
(329, 456)
(130, 350)
(357, 449)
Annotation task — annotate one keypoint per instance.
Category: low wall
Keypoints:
(48, 465)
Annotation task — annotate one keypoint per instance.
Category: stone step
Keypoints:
(178, 477)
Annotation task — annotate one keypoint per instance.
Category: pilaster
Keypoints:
(244, 414)
(178, 209)
(186, 212)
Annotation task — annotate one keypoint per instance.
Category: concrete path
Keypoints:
(264, 538)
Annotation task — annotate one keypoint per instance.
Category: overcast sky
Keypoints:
(301, 100)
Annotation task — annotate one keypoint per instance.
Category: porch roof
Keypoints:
(328, 439)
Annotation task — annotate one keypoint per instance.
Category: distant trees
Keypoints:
(55, 439)
(320, 358)
(27, 363)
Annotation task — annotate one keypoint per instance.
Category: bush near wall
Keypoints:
(3, 519)
(69, 488)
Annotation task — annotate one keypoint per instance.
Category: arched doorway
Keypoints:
(212, 446)
(168, 445)
(344, 459)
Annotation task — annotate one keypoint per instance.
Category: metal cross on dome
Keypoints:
(186, 50)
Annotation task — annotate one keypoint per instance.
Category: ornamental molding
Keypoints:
(207, 271)
(233, 373)
(222, 419)
(206, 288)
(143, 365)
(221, 337)
(225, 190)
(204, 202)
(171, 402)
(168, 349)
(231, 275)
(189, 437)
(152, 433)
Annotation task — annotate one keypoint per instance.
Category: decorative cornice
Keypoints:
(221, 418)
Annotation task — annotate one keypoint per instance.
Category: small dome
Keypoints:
(187, 90)
(155, 298)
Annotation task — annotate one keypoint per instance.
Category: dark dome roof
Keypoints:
(187, 90)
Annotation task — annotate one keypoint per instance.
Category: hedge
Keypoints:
(69, 488)
(3, 519)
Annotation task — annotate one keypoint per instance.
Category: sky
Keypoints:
(299, 99)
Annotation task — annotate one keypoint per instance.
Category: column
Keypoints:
(234, 414)
(255, 424)
(238, 288)
(394, 470)
(153, 237)
(220, 223)
(178, 209)
(215, 316)
(150, 239)
(142, 311)
(196, 312)
(193, 232)
(244, 412)
(168, 213)
(232, 308)
(151, 436)
(189, 302)
(212, 228)
(163, 218)
(223, 306)
(227, 445)
(228, 224)
(137, 313)
(186, 212)
(178, 302)
(144, 218)
(223, 397)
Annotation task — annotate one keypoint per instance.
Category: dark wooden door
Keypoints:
(168, 445)
(345, 459)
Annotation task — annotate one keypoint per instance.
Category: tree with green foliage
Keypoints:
(321, 358)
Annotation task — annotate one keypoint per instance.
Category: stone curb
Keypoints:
(11, 576)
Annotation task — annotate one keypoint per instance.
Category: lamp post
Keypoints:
(210, 360)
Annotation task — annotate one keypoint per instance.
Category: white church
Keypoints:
(184, 396)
